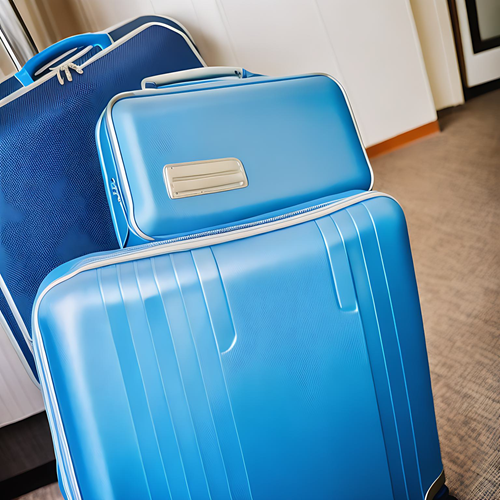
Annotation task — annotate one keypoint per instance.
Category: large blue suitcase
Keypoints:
(283, 358)
(273, 348)
(52, 202)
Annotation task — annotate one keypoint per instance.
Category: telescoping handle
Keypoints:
(27, 72)
(195, 74)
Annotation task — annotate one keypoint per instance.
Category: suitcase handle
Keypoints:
(26, 73)
(195, 74)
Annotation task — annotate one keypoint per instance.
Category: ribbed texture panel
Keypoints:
(389, 340)
(163, 329)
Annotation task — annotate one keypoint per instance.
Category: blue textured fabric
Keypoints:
(52, 201)
(9, 86)
(12, 84)
(286, 364)
(126, 28)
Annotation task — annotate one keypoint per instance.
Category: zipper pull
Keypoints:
(115, 191)
(66, 68)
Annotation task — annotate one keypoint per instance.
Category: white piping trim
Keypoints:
(59, 437)
(121, 171)
(118, 25)
(74, 57)
(355, 125)
(121, 41)
(8, 77)
(63, 456)
(5, 326)
(15, 312)
(114, 45)
(435, 486)
(131, 19)
(139, 252)
(106, 179)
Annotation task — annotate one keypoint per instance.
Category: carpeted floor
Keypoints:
(449, 187)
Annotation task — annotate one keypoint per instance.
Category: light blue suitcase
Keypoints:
(279, 354)
(279, 359)
(53, 207)
(286, 140)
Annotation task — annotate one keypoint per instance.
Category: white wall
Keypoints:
(432, 18)
(6, 65)
(371, 47)
(19, 397)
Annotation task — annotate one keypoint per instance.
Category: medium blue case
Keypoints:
(292, 138)
(279, 358)
(53, 207)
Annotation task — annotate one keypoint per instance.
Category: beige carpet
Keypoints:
(449, 187)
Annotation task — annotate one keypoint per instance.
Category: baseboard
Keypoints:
(403, 139)
(28, 481)
(483, 88)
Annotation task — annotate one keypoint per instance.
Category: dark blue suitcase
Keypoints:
(54, 56)
(277, 355)
(52, 202)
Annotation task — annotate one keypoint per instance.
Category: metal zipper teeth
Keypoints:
(230, 229)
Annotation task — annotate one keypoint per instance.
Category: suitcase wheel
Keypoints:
(444, 494)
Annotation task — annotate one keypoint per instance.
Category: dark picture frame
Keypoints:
(478, 44)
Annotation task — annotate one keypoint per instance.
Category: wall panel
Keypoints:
(371, 47)
(19, 397)
(433, 22)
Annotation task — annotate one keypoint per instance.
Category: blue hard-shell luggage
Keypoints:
(279, 354)
(223, 134)
(52, 202)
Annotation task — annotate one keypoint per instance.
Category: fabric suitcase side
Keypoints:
(281, 359)
(78, 56)
(53, 206)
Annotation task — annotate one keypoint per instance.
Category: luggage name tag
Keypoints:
(204, 177)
